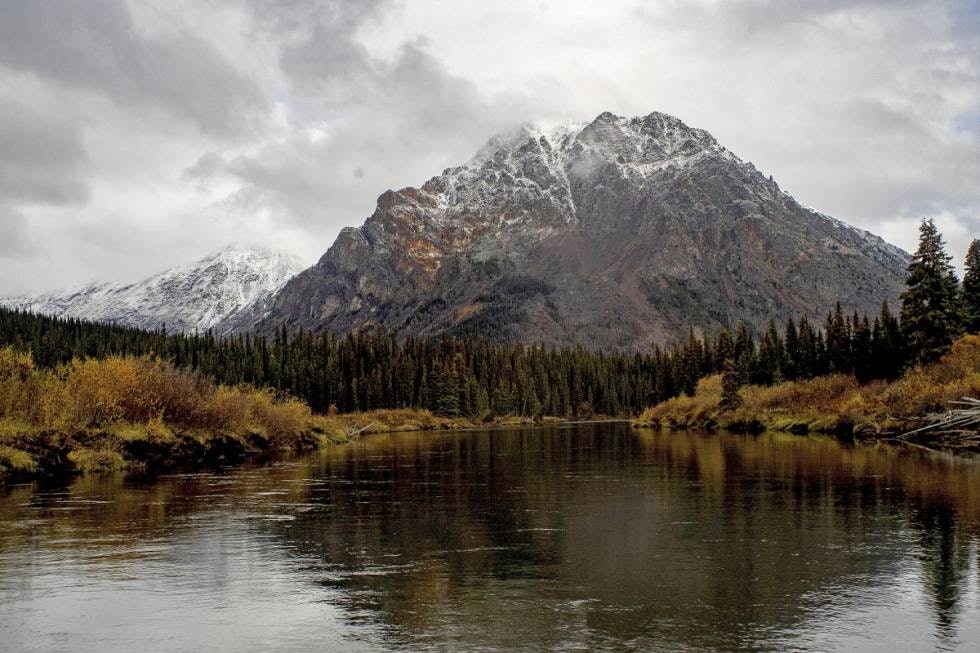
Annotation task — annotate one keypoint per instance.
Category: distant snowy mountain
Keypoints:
(188, 297)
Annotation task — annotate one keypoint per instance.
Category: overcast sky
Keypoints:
(137, 135)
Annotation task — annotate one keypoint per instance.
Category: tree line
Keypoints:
(473, 376)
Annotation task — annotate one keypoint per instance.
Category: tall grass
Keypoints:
(832, 403)
(125, 411)
(103, 413)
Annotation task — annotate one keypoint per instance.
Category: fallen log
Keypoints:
(961, 423)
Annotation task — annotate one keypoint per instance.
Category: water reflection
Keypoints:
(560, 539)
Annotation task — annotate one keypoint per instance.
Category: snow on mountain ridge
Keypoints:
(532, 167)
(618, 233)
(188, 297)
(520, 186)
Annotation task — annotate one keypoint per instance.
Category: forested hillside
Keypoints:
(372, 368)
(471, 376)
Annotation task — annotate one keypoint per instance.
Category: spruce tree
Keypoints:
(888, 351)
(766, 363)
(931, 317)
(690, 365)
(809, 356)
(791, 364)
(730, 398)
(971, 289)
(744, 353)
(838, 336)
(725, 348)
(863, 359)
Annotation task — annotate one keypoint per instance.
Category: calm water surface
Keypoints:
(587, 538)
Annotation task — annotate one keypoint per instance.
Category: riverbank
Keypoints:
(30, 452)
(138, 414)
(835, 404)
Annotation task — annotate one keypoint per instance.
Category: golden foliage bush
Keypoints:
(688, 411)
(227, 409)
(831, 402)
(821, 393)
(15, 460)
(930, 388)
(97, 460)
(281, 418)
(386, 420)
(98, 389)
(120, 400)
(133, 389)
(250, 411)
(28, 394)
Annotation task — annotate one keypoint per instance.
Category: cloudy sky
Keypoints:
(138, 134)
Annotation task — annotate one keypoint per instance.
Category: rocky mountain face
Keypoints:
(616, 233)
(199, 295)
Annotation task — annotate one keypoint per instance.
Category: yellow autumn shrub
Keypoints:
(827, 402)
(16, 460)
(99, 389)
(280, 417)
(684, 410)
(17, 380)
(227, 409)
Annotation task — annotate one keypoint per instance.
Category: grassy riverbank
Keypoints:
(831, 404)
(140, 414)
(136, 413)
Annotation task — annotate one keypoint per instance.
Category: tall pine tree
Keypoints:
(931, 316)
(971, 289)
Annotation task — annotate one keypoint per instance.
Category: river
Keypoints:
(593, 537)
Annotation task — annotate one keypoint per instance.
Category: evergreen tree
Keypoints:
(730, 398)
(444, 391)
(724, 347)
(809, 354)
(690, 365)
(744, 352)
(931, 317)
(863, 360)
(971, 289)
(770, 359)
(887, 349)
(791, 367)
(837, 334)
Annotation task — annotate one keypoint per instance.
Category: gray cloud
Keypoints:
(135, 134)
(16, 242)
(96, 46)
(363, 123)
(42, 155)
(868, 110)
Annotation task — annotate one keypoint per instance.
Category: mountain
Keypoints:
(615, 233)
(198, 295)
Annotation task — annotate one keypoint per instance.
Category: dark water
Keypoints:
(587, 538)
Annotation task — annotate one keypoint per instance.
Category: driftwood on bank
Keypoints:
(961, 423)
(353, 430)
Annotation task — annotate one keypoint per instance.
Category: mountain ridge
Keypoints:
(617, 232)
(188, 297)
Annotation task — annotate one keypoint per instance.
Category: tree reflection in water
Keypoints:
(588, 537)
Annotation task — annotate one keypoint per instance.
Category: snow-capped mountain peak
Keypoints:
(188, 297)
(618, 232)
